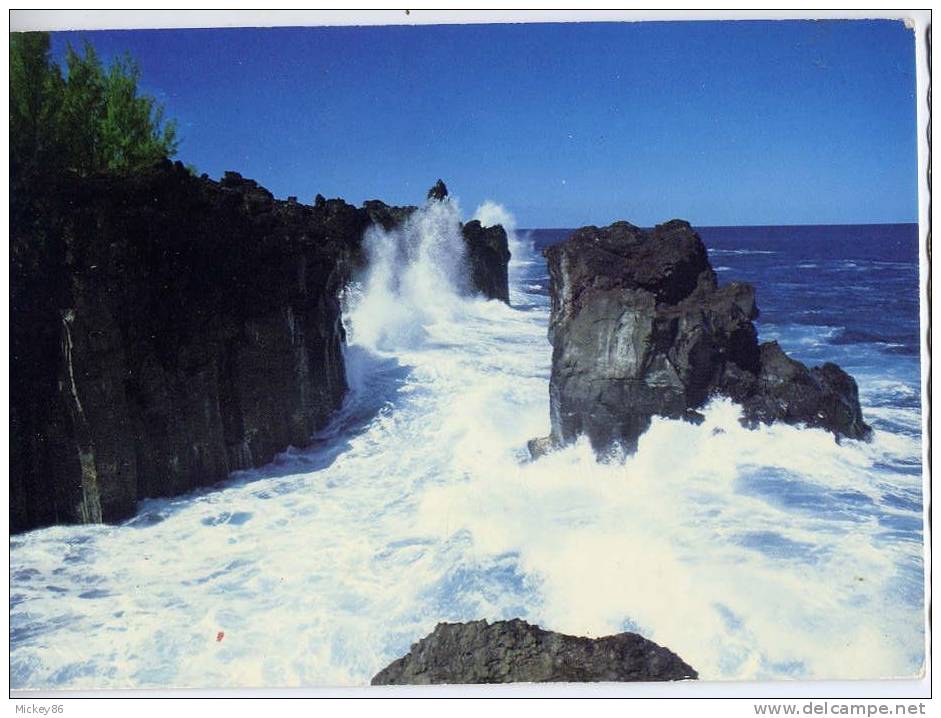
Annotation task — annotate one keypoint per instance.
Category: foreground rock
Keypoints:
(640, 328)
(167, 330)
(515, 651)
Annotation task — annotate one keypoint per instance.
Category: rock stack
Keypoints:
(640, 328)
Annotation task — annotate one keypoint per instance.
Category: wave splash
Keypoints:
(416, 275)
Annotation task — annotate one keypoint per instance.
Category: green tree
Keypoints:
(91, 120)
(132, 130)
(82, 108)
(36, 88)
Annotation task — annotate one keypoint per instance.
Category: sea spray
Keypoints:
(416, 275)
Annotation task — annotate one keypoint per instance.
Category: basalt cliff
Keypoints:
(640, 328)
(168, 329)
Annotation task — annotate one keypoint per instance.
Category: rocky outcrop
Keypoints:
(825, 396)
(167, 330)
(640, 328)
(488, 256)
(515, 651)
(384, 215)
(438, 191)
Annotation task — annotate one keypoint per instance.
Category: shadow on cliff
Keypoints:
(375, 383)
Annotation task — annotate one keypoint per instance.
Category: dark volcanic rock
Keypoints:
(541, 446)
(825, 396)
(488, 255)
(515, 651)
(167, 330)
(640, 328)
(385, 216)
(438, 191)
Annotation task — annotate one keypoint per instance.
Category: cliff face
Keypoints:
(640, 328)
(167, 330)
(515, 651)
(193, 330)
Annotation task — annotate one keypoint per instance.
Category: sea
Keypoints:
(766, 554)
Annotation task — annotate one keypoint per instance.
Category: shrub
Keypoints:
(89, 120)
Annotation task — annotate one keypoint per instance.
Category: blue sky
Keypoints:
(565, 124)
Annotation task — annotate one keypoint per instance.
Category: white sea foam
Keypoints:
(752, 554)
(720, 252)
(773, 553)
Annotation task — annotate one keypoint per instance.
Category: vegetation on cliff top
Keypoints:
(88, 119)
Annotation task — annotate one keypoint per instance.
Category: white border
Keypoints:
(38, 19)
(120, 19)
